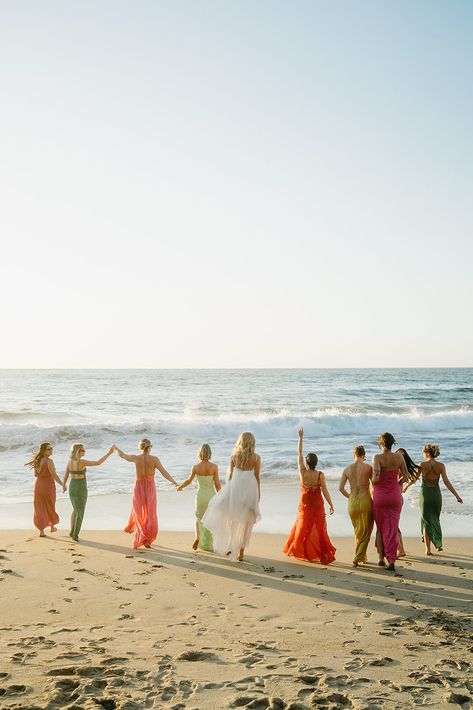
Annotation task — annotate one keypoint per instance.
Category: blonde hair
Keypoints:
(145, 444)
(431, 450)
(74, 453)
(34, 463)
(205, 453)
(244, 448)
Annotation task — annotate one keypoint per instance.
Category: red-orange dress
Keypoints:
(44, 499)
(309, 538)
(143, 518)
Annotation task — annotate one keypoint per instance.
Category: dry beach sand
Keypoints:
(99, 625)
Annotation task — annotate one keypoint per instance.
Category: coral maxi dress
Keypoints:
(44, 498)
(143, 519)
(309, 538)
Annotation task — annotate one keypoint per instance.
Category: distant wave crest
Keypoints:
(321, 423)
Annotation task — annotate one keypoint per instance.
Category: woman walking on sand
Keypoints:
(208, 483)
(77, 468)
(360, 505)
(232, 513)
(143, 519)
(309, 538)
(44, 489)
(389, 471)
(430, 500)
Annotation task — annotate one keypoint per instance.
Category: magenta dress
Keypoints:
(387, 504)
(44, 498)
(143, 518)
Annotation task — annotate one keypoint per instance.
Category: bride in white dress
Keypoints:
(231, 513)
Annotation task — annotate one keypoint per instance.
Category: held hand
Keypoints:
(301, 433)
(64, 487)
(331, 510)
(459, 499)
(178, 489)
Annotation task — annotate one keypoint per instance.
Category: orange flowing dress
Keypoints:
(309, 538)
(143, 519)
(44, 498)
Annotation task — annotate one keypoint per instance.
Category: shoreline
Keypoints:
(176, 513)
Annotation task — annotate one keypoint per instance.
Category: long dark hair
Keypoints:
(412, 469)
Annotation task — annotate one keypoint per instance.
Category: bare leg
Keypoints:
(195, 544)
(73, 520)
(240, 556)
(428, 551)
(400, 545)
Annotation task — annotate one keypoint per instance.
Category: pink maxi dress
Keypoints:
(387, 505)
(143, 519)
(44, 499)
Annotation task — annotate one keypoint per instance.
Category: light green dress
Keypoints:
(205, 491)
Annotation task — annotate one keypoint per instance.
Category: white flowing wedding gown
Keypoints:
(232, 512)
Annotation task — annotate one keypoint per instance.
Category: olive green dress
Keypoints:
(205, 491)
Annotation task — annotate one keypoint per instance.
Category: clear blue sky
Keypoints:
(238, 183)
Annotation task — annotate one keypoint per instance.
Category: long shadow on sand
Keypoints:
(338, 583)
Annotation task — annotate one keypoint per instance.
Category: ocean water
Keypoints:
(180, 409)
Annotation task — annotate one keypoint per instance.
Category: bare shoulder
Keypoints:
(368, 468)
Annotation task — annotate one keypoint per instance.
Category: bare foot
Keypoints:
(382, 563)
(439, 549)
(391, 567)
(195, 544)
(240, 556)
(53, 529)
(402, 554)
(42, 534)
(148, 547)
(355, 564)
(428, 553)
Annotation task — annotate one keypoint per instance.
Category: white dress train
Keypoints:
(232, 512)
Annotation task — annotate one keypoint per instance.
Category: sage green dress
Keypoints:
(205, 492)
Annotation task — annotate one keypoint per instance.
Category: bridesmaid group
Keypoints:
(225, 515)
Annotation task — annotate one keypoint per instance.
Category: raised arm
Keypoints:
(127, 457)
(448, 485)
(343, 483)
(257, 474)
(300, 458)
(187, 481)
(323, 484)
(101, 460)
(217, 483)
(163, 472)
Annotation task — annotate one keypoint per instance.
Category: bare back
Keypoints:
(358, 474)
(311, 478)
(205, 468)
(145, 465)
(389, 461)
